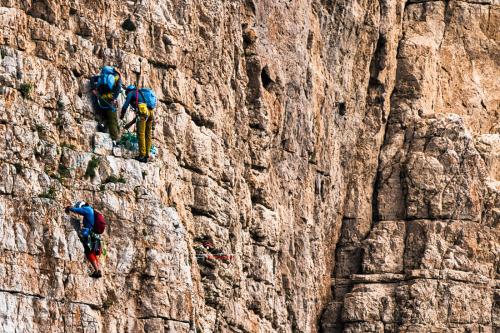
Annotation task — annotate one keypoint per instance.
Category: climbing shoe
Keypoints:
(101, 128)
(96, 274)
(142, 159)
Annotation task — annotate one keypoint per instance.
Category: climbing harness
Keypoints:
(94, 243)
(107, 105)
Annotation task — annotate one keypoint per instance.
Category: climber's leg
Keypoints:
(141, 132)
(149, 132)
(112, 123)
(94, 261)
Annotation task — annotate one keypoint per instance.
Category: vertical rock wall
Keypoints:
(323, 166)
(429, 260)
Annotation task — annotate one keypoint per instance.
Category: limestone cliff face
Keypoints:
(323, 166)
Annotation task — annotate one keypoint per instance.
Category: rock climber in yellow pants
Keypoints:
(143, 101)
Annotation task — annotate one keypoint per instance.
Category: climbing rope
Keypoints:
(129, 141)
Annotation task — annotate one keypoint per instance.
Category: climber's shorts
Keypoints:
(91, 256)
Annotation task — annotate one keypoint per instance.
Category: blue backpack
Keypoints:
(106, 79)
(149, 97)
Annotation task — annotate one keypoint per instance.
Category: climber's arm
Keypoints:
(125, 105)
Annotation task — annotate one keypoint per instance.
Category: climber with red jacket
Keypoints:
(90, 239)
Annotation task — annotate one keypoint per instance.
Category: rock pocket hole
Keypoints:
(76, 72)
(265, 76)
(342, 108)
(167, 41)
(129, 25)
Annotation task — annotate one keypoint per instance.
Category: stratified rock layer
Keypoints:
(323, 166)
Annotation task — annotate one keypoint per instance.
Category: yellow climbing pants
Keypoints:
(145, 130)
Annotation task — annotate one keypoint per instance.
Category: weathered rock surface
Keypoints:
(323, 166)
(430, 261)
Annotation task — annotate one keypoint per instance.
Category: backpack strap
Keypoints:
(117, 88)
(143, 97)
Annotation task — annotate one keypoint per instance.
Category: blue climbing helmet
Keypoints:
(107, 78)
(108, 70)
(130, 88)
(79, 204)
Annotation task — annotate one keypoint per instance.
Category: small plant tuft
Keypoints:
(55, 176)
(114, 179)
(59, 122)
(40, 129)
(91, 167)
(49, 194)
(110, 300)
(60, 104)
(26, 88)
(64, 172)
(68, 145)
(107, 304)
